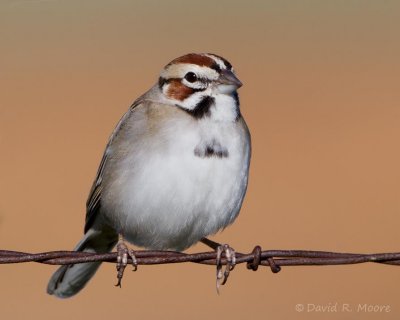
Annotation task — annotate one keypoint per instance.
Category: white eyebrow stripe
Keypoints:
(180, 69)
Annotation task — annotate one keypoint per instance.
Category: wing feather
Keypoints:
(93, 202)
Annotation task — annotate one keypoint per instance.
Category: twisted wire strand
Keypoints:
(274, 259)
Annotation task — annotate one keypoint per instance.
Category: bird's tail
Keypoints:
(68, 280)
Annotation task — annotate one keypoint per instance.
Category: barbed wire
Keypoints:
(274, 259)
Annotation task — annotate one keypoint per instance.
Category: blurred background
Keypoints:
(321, 96)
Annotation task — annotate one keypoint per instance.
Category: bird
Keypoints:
(175, 170)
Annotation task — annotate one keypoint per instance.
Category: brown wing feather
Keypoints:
(93, 202)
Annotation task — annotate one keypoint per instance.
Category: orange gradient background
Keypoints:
(321, 96)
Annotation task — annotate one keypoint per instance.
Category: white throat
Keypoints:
(225, 108)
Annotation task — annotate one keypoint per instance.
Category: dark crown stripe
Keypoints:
(226, 62)
(216, 67)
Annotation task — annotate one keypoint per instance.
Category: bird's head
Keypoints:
(193, 80)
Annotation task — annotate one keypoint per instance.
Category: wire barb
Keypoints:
(253, 265)
(273, 266)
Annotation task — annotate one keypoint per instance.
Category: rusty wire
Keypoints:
(274, 259)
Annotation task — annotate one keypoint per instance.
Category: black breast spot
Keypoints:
(211, 149)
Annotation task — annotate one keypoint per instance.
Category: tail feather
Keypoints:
(68, 280)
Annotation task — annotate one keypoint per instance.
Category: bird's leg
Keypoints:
(122, 259)
(230, 256)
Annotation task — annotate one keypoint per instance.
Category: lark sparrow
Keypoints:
(174, 171)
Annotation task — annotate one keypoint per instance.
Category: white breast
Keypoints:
(160, 195)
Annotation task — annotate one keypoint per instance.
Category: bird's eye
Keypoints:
(191, 77)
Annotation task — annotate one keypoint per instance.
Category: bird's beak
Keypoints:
(228, 78)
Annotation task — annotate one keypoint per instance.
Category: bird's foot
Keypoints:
(230, 258)
(122, 260)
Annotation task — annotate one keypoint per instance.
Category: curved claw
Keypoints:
(122, 260)
(230, 257)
